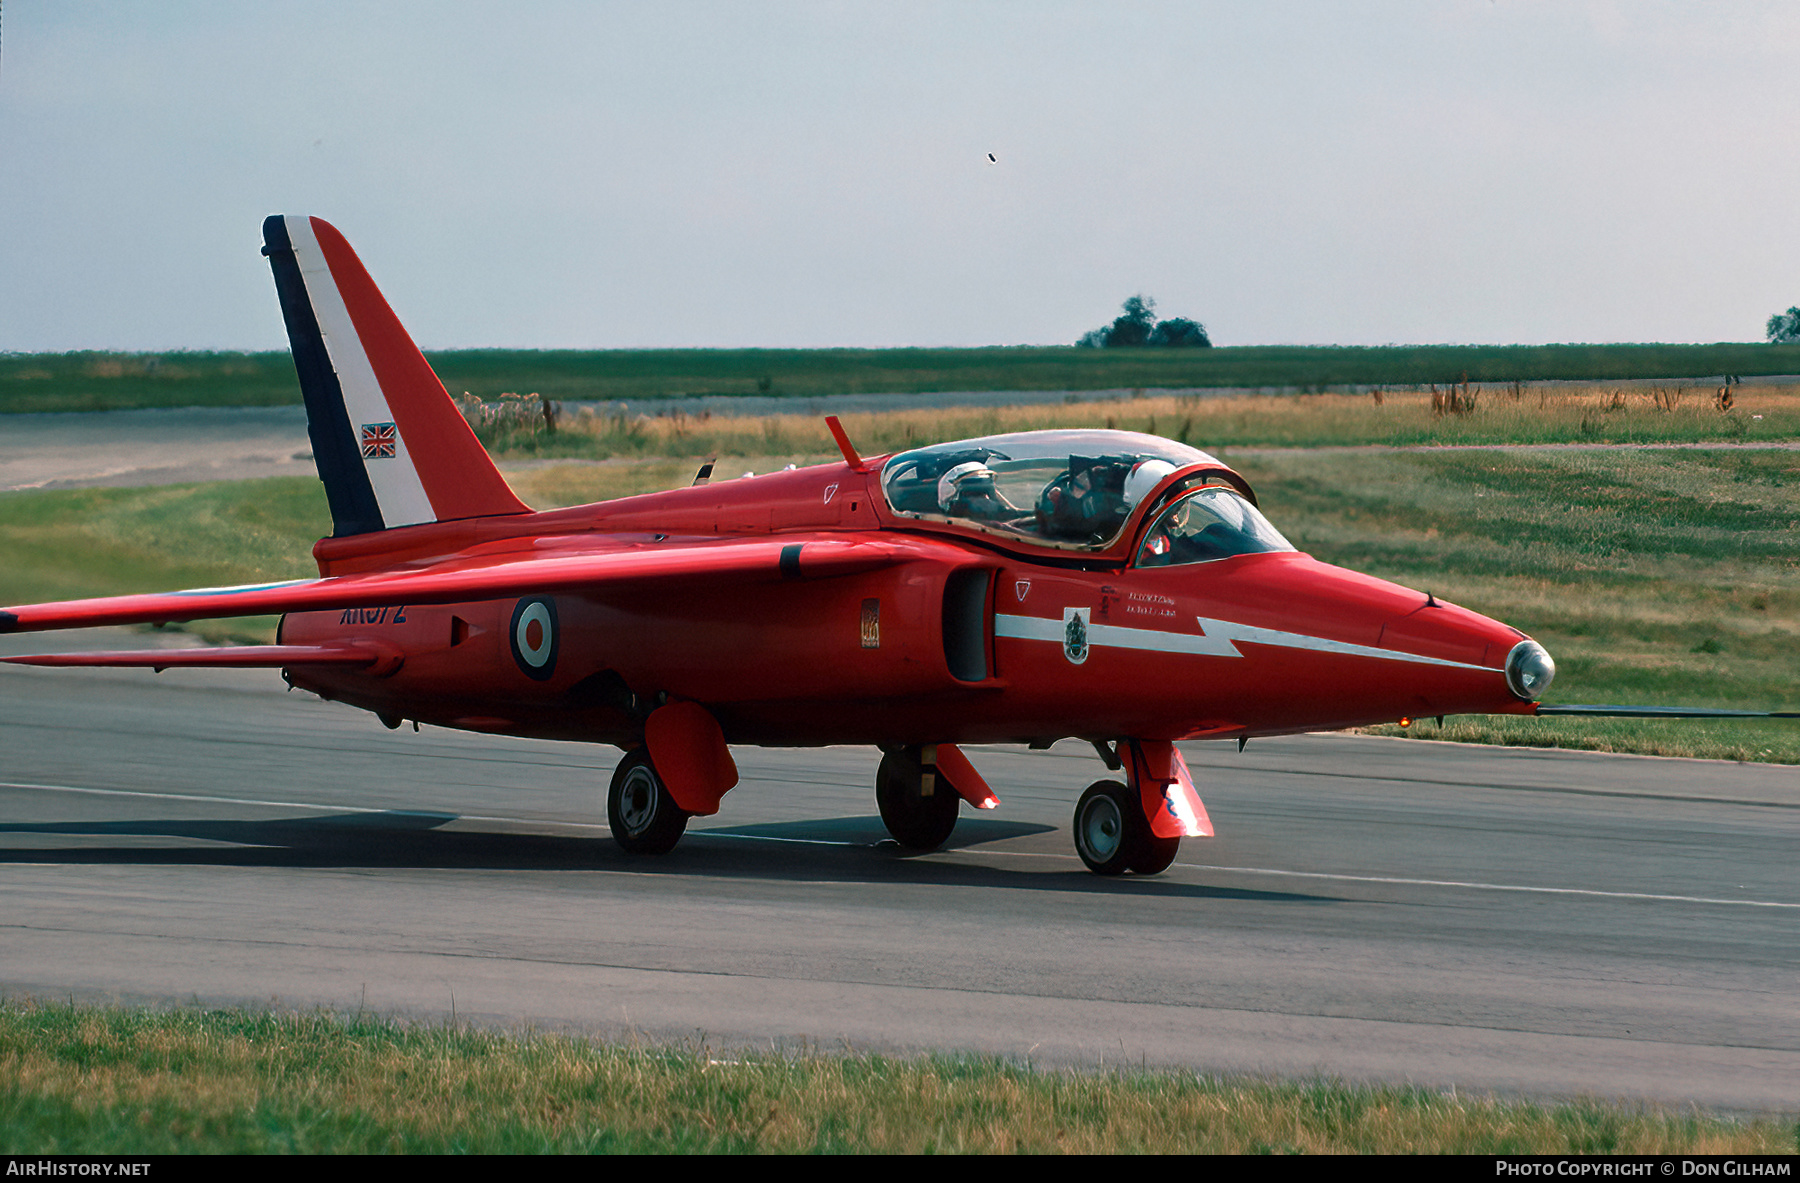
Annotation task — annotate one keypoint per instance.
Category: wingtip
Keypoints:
(9, 622)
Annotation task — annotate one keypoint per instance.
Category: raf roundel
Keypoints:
(534, 637)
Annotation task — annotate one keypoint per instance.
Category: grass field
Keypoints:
(112, 381)
(71, 543)
(1505, 415)
(104, 1081)
(1668, 577)
(1662, 576)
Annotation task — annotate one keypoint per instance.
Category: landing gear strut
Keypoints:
(1112, 835)
(918, 820)
(643, 816)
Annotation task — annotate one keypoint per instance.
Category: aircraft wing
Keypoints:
(489, 577)
(361, 653)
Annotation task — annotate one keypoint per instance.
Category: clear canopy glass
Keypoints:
(1207, 524)
(1070, 488)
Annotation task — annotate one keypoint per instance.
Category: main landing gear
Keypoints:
(919, 814)
(1113, 836)
(919, 804)
(643, 816)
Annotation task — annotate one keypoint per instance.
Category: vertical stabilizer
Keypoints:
(391, 446)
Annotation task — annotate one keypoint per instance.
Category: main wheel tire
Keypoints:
(1155, 856)
(643, 816)
(1111, 833)
(917, 822)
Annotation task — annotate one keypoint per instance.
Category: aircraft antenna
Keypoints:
(856, 463)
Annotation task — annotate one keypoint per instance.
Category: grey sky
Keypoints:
(594, 175)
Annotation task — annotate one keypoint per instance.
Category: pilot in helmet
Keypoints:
(1086, 502)
(967, 491)
(1145, 476)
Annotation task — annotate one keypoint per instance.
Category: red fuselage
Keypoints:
(974, 638)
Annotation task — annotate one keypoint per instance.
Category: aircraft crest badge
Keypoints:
(1075, 635)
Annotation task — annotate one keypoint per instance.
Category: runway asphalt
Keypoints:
(1530, 922)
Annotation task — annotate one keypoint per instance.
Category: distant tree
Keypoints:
(1784, 327)
(1179, 332)
(1138, 326)
(1134, 327)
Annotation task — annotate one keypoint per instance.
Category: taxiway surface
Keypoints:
(1543, 922)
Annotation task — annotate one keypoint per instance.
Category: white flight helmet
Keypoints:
(950, 484)
(1144, 477)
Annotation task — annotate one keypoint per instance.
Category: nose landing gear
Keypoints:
(1138, 826)
(1113, 836)
(643, 816)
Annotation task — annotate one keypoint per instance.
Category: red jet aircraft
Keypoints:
(1117, 588)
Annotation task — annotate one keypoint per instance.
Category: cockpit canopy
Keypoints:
(1207, 524)
(1071, 489)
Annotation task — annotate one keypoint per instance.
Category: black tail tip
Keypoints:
(275, 234)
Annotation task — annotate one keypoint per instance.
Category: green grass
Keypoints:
(72, 543)
(620, 374)
(1666, 577)
(78, 1080)
(111, 381)
(125, 381)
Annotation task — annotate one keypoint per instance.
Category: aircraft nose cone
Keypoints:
(1529, 670)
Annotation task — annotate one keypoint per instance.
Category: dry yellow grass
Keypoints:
(1548, 413)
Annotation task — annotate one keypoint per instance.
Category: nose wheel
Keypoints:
(917, 820)
(643, 817)
(1112, 835)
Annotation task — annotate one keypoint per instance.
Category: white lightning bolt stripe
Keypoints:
(1113, 636)
(1216, 641)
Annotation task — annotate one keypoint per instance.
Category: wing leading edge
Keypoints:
(485, 577)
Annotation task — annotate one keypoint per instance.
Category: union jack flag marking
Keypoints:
(379, 441)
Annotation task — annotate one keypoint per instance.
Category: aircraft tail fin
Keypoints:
(391, 446)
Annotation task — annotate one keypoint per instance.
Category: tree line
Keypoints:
(1138, 326)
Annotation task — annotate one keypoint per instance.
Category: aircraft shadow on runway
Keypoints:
(851, 849)
(868, 831)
